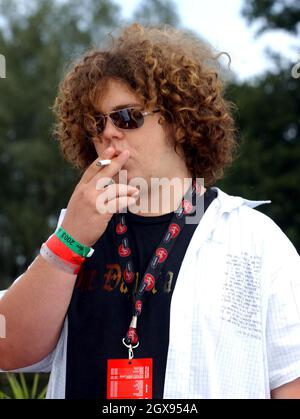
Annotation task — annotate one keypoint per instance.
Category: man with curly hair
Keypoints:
(197, 298)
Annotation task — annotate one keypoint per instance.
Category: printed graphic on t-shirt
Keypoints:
(113, 280)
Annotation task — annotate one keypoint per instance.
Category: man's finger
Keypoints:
(114, 190)
(115, 205)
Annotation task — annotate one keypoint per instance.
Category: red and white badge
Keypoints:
(129, 378)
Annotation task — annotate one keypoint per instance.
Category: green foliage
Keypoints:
(273, 14)
(156, 11)
(269, 130)
(20, 389)
(269, 127)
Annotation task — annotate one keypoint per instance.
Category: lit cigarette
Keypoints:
(101, 163)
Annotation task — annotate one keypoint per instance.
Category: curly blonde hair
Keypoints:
(166, 68)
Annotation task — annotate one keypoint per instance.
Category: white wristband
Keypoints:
(55, 260)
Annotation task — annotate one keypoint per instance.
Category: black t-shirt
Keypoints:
(101, 307)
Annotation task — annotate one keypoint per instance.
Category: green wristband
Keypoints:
(72, 244)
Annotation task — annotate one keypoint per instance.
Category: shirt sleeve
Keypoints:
(283, 313)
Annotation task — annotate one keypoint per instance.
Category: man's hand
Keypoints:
(82, 220)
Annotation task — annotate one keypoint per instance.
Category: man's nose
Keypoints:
(110, 128)
(111, 135)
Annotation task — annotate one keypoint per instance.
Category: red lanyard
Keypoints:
(156, 263)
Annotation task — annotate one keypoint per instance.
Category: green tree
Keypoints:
(268, 165)
(273, 14)
(268, 119)
(157, 11)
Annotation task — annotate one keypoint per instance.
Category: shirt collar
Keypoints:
(223, 203)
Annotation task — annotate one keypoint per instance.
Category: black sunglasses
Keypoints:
(128, 118)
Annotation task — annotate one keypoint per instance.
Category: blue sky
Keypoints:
(220, 23)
